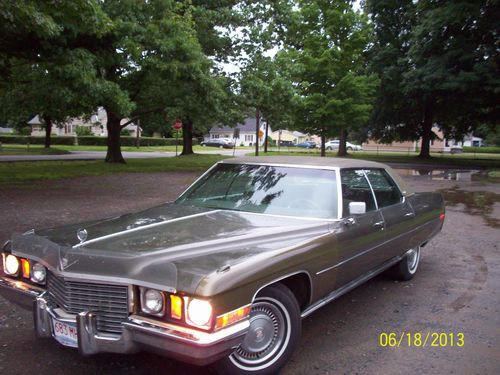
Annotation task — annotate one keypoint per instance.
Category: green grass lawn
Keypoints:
(31, 150)
(26, 172)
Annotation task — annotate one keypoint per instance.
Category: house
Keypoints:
(286, 136)
(438, 144)
(96, 123)
(5, 130)
(246, 136)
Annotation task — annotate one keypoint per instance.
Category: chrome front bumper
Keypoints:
(138, 332)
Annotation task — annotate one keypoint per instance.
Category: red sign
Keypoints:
(177, 125)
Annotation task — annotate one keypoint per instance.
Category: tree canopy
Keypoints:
(439, 65)
(327, 43)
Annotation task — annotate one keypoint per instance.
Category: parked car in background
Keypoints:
(226, 273)
(307, 144)
(286, 144)
(218, 142)
(334, 145)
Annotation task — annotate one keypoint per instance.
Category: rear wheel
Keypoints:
(275, 328)
(406, 268)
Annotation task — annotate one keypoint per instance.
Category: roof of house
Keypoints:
(247, 126)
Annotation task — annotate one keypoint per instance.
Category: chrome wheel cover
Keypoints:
(267, 337)
(412, 259)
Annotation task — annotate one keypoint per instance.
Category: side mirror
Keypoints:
(357, 208)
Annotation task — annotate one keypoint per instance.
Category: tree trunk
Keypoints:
(257, 129)
(187, 137)
(265, 137)
(114, 154)
(323, 140)
(425, 147)
(48, 130)
(342, 143)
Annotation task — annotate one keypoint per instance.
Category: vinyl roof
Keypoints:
(307, 160)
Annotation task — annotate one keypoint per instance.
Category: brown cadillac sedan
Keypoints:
(224, 274)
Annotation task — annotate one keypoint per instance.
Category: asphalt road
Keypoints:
(100, 155)
(454, 292)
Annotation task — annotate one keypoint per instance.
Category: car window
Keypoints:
(385, 189)
(266, 189)
(355, 188)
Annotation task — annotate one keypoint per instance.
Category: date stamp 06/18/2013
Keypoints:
(421, 339)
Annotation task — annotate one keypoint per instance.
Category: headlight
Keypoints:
(11, 264)
(199, 313)
(152, 301)
(38, 273)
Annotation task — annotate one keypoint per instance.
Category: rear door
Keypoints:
(396, 211)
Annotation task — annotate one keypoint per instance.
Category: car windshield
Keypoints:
(288, 191)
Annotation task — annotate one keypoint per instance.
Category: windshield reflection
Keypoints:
(274, 190)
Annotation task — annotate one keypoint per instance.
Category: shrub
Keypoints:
(82, 131)
(21, 139)
(482, 150)
(131, 141)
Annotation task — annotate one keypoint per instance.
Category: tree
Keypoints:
(45, 71)
(266, 88)
(327, 44)
(438, 68)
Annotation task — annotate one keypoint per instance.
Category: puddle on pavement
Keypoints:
(478, 203)
(439, 174)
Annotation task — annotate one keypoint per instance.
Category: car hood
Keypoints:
(170, 247)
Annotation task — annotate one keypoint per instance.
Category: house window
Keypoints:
(215, 136)
(249, 137)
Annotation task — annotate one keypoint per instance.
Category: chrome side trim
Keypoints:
(370, 249)
(141, 228)
(351, 285)
(340, 206)
(285, 277)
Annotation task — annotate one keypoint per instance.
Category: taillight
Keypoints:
(441, 216)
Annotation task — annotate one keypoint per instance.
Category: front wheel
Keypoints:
(275, 328)
(406, 268)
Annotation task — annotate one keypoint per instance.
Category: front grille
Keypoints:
(108, 302)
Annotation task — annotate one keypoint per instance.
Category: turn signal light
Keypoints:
(232, 317)
(25, 266)
(175, 307)
(441, 216)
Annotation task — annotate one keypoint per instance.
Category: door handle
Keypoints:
(379, 224)
(409, 214)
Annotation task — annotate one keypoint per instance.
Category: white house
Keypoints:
(289, 137)
(246, 132)
(97, 124)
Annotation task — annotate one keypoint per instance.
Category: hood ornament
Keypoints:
(81, 234)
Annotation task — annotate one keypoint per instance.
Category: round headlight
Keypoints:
(38, 273)
(152, 301)
(199, 312)
(11, 265)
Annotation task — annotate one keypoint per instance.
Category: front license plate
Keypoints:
(65, 333)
